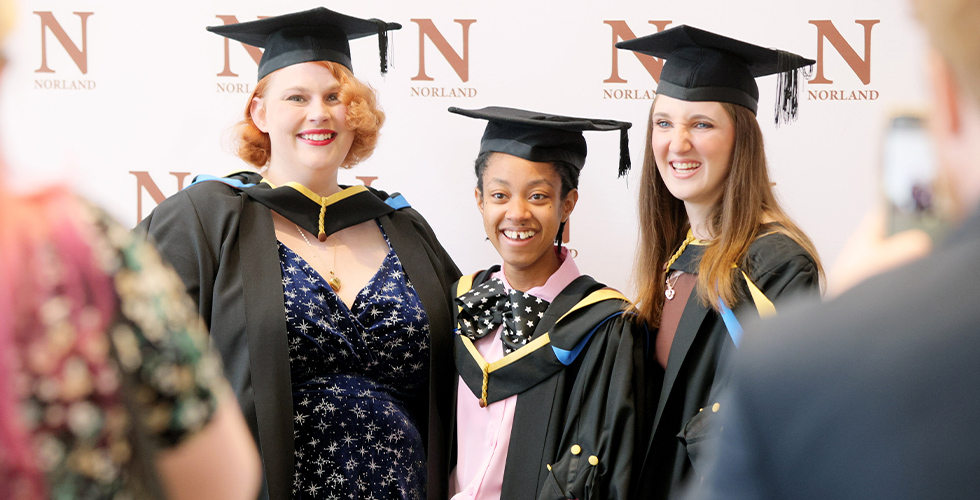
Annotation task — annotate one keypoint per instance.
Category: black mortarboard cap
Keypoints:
(318, 34)
(543, 137)
(704, 66)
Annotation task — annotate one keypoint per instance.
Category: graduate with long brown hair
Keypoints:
(716, 249)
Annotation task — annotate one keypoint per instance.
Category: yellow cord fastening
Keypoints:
(486, 382)
(323, 212)
(687, 241)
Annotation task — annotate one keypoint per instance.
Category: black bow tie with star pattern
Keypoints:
(488, 305)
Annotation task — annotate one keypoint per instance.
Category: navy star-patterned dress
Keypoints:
(352, 372)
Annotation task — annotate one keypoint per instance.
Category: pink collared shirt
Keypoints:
(483, 434)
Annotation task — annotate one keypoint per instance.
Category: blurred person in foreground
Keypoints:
(874, 394)
(107, 387)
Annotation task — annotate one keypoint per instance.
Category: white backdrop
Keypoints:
(134, 87)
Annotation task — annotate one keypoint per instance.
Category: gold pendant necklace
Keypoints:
(333, 281)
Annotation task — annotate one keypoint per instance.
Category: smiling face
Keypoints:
(306, 120)
(693, 143)
(522, 209)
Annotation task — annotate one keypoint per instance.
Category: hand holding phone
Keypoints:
(908, 173)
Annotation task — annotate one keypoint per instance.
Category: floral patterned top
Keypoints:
(80, 391)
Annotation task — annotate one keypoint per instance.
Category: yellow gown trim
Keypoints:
(322, 200)
(762, 303)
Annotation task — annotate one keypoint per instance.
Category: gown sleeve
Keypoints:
(443, 262)
(596, 455)
(188, 229)
(783, 270)
(736, 471)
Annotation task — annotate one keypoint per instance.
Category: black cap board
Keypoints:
(318, 34)
(543, 137)
(703, 66)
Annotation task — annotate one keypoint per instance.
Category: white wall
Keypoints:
(153, 105)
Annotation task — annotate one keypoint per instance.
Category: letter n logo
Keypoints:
(460, 64)
(145, 182)
(622, 31)
(861, 67)
(254, 52)
(80, 56)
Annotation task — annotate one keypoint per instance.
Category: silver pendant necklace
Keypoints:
(669, 292)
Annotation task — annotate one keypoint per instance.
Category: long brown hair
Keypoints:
(748, 200)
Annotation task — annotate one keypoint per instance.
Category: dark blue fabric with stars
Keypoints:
(352, 372)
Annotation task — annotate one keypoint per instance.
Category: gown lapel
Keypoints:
(267, 346)
(434, 293)
(537, 360)
(419, 269)
(687, 330)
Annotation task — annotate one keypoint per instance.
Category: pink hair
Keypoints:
(37, 233)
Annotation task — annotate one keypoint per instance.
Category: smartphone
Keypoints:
(909, 171)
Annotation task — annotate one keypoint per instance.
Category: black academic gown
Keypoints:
(700, 359)
(222, 242)
(575, 423)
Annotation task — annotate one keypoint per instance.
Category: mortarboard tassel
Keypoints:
(788, 85)
(624, 152)
(384, 48)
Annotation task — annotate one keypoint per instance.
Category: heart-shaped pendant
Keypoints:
(334, 282)
(669, 293)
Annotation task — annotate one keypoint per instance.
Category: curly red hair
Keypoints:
(364, 117)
